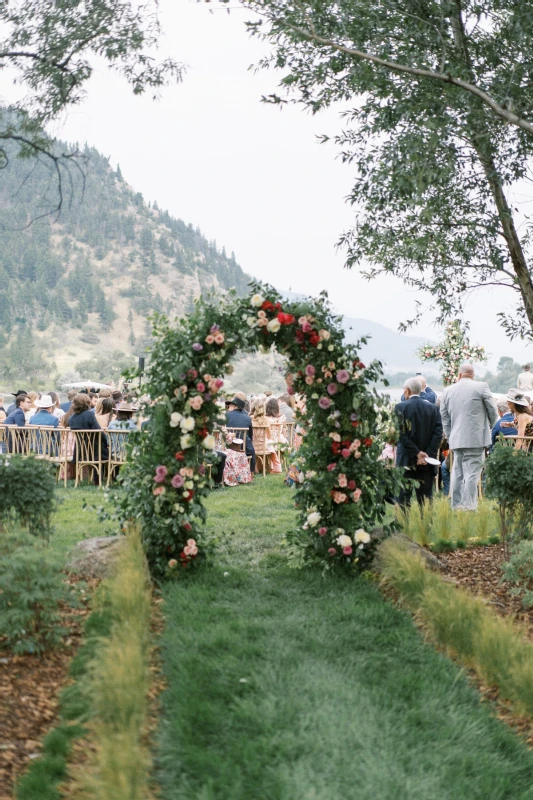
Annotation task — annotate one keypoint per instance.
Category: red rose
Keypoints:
(285, 319)
(180, 456)
(355, 424)
(314, 339)
(299, 336)
(267, 306)
(351, 485)
(367, 442)
(188, 527)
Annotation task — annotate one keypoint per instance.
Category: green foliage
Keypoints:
(518, 570)
(434, 158)
(509, 480)
(105, 366)
(32, 590)
(506, 376)
(343, 495)
(27, 493)
(438, 526)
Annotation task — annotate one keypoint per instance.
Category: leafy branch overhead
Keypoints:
(52, 45)
(438, 124)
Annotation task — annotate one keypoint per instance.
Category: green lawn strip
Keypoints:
(43, 777)
(72, 522)
(285, 685)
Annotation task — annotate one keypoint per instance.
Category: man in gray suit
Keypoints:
(468, 414)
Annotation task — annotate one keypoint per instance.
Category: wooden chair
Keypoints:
(117, 451)
(260, 445)
(240, 433)
(88, 453)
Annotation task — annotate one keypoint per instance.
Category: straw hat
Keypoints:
(518, 399)
(124, 407)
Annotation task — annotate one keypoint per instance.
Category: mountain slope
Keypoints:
(397, 351)
(86, 280)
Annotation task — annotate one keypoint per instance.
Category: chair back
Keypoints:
(239, 433)
(260, 439)
(88, 446)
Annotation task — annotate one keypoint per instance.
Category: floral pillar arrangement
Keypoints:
(345, 482)
(452, 352)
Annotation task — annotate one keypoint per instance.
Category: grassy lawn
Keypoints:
(72, 522)
(287, 685)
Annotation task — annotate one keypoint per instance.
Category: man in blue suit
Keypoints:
(236, 417)
(427, 392)
(420, 436)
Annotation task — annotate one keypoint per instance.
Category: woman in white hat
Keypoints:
(519, 404)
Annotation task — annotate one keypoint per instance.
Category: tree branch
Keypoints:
(393, 66)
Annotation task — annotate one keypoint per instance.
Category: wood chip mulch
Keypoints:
(29, 691)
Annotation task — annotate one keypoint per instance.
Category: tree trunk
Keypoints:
(481, 143)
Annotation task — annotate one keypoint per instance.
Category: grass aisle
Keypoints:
(285, 685)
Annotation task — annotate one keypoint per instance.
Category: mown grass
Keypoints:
(287, 685)
(76, 518)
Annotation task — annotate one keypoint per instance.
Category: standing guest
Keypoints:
(468, 414)
(116, 397)
(45, 412)
(3, 413)
(427, 392)
(71, 394)
(286, 406)
(13, 405)
(523, 421)
(104, 411)
(420, 436)
(236, 417)
(525, 379)
(17, 416)
(501, 426)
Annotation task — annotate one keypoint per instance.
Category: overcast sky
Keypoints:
(250, 175)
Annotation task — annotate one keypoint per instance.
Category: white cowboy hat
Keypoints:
(518, 399)
(45, 402)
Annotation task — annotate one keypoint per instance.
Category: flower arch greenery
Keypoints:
(345, 482)
(453, 351)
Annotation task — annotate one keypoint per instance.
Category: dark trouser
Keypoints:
(425, 479)
(218, 468)
(252, 462)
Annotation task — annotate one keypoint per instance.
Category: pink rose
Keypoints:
(343, 376)
(332, 551)
(196, 402)
(209, 338)
(322, 531)
(306, 326)
(356, 444)
(357, 454)
(357, 495)
(310, 370)
(339, 497)
(324, 403)
(172, 563)
(200, 386)
(347, 551)
(332, 388)
(191, 542)
(220, 383)
(345, 452)
(331, 467)
(177, 481)
(159, 490)
(343, 481)
(219, 338)
(309, 380)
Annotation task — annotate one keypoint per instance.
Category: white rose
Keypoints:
(310, 474)
(189, 484)
(313, 518)
(344, 541)
(175, 419)
(361, 537)
(209, 442)
(257, 300)
(251, 321)
(331, 348)
(274, 325)
(186, 441)
(187, 424)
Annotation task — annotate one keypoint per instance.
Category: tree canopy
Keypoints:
(439, 130)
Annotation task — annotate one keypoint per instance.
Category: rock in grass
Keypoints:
(95, 558)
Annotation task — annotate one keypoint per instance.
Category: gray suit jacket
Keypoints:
(468, 414)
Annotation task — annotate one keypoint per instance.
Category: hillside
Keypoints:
(397, 351)
(83, 283)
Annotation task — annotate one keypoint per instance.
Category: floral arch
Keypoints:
(345, 482)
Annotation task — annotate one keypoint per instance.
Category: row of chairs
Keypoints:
(93, 452)
(262, 445)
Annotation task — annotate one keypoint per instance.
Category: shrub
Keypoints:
(27, 493)
(518, 570)
(31, 592)
(509, 480)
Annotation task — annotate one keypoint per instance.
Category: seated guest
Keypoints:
(116, 397)
(13, 405)
(57, 411)
(17, 416)
(33, 408)
(83, 419)
(93, 398)
(523, 421)
(71, 394)
(287, 406)
(506, 416)
(275, 420)
(236, 417)
(124, 421)
(44, 414)
(104, 411)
